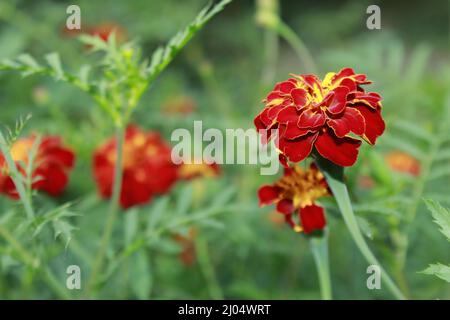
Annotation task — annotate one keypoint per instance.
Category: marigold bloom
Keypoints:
(310, 113)
(296, 193)
(402, 162)
(147, 167)
(52, 165)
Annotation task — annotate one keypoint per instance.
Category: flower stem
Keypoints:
(319, 248)
(208, 269)
(297, 44)
(335, 179)
(16, 177)
(112, 212)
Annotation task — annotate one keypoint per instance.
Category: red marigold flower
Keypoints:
(296, 192)
(147, 167)
(189, 171)
(402, 162)
(51, 165)
(310, 113)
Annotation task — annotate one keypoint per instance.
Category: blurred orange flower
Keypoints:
(402, 162)
(189, 171)
(187, 255)
(296, 192)
(147, 167)
(181, 105)
(51, 165)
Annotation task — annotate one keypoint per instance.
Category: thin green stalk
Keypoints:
(207, 269)
(319, 248)
(335, 176)
(16, 177)
(112, 212)
(26, 202)
(297, 44)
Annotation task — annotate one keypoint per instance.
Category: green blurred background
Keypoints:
(226, 72)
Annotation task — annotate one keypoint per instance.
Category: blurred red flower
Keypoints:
(102, 30)
(322, 114)
(106, 29)
(402, 162)
(51, 165)
(296, 193)
(147, 167)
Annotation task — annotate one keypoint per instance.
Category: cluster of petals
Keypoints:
(327, 117)
(148, 169)
(295, 195)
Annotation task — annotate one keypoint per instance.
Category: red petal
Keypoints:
(337, 104)
(293, 131)
(350, 121)
(341, 151)
(298, 149)
(285, 206)
(286, 86)
(299, 97)
(288, 114)
(311, 119)
(374, 123)
(312, 218)
(267, 195)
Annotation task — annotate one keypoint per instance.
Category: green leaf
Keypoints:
(141, 277)
(184, 200)
(439, 270)
(440, 215)
(156, 213)
(55, 63)
(131, 225)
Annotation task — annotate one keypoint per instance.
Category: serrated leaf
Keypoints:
(440, 215)
(28, 60)
(439, 270)
(64, 229)
(55, 63)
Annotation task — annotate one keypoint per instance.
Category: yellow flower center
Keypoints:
(303, 187)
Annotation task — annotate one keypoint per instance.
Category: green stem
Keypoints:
(16, 177)
(112, 212)
(208, 269)
(319, 248)
(297, 44)
(335, 177)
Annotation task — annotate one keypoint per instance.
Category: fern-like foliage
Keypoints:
(441, 217)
